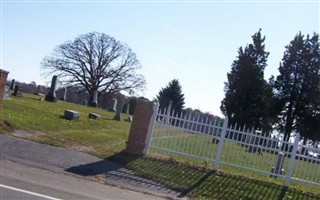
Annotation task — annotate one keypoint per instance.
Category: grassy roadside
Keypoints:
(201, 183)
(42, 122)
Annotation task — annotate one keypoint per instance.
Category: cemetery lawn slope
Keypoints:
(43, 121)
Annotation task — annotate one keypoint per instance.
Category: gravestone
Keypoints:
(3, 81)
(166, 118)
(126, 108)
(94, 102)
(12, 84)
(85, 102)
(117, 116)
(41, 89)
(51, 96)
(254, 149)
(64, 98)
(42, 96)
(215, 140)
(114, 105)
(17, 91)
(6, 93)
(278, 170)
(94, 116)
(129, 119)
(71, 114)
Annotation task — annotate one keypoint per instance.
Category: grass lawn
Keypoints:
(41, 121)
(201, 183)
(167, 137)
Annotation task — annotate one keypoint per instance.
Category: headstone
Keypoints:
(254, 149)
(94, 116)
(6, 93)
(17, 91)
(117, 116)
(127, 108)
(129, 119)
(12, 84)
(64, 98)
(85, 102)
(114, 105)
(41, 89)
(94, 102)
(3, 82)
(278, 168)
(71, 114)
(215, 140)
(42, 96)
(169, 108)
(51, 96)
(166, 119)
(30, 88)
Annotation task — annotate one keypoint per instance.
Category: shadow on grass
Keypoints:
(114, 170)
(186, 180)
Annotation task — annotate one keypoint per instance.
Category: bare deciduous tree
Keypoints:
(96, 62)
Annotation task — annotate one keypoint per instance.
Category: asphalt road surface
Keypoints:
(73, 163)
(21, 181)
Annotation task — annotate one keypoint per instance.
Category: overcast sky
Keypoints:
(195, 42)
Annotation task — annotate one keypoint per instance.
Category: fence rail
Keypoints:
(213, 141)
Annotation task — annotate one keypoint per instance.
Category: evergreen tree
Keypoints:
(297, 88)
(248, 97)
(171, 92)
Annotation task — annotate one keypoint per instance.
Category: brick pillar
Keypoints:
(3, 82)
(141, 127)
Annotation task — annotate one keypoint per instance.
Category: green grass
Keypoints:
(106, 138)
(199, 182)
(102, 137)
(202, 146)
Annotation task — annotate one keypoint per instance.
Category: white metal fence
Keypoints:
(212, 140)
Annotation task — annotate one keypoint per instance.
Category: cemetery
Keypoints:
(89, 124)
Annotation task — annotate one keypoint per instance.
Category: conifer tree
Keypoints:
(297, 88)
(173, 92)
(248, 97)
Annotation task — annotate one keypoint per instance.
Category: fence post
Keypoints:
(292, 159)
(220, 147)
(151, 127)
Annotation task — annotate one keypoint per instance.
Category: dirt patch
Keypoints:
(26, 134)
(71, 144)
(6, 125)
(45, 138)
(79, 147)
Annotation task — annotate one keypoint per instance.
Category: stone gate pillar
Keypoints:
(3, 82)
(141, 128)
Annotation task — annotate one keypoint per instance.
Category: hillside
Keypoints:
(42, 121)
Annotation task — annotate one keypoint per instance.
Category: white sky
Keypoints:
(195, 42)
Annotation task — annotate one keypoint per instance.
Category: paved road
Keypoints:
(20, 181)
(71, 162)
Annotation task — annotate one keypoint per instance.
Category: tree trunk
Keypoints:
(288, 127)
